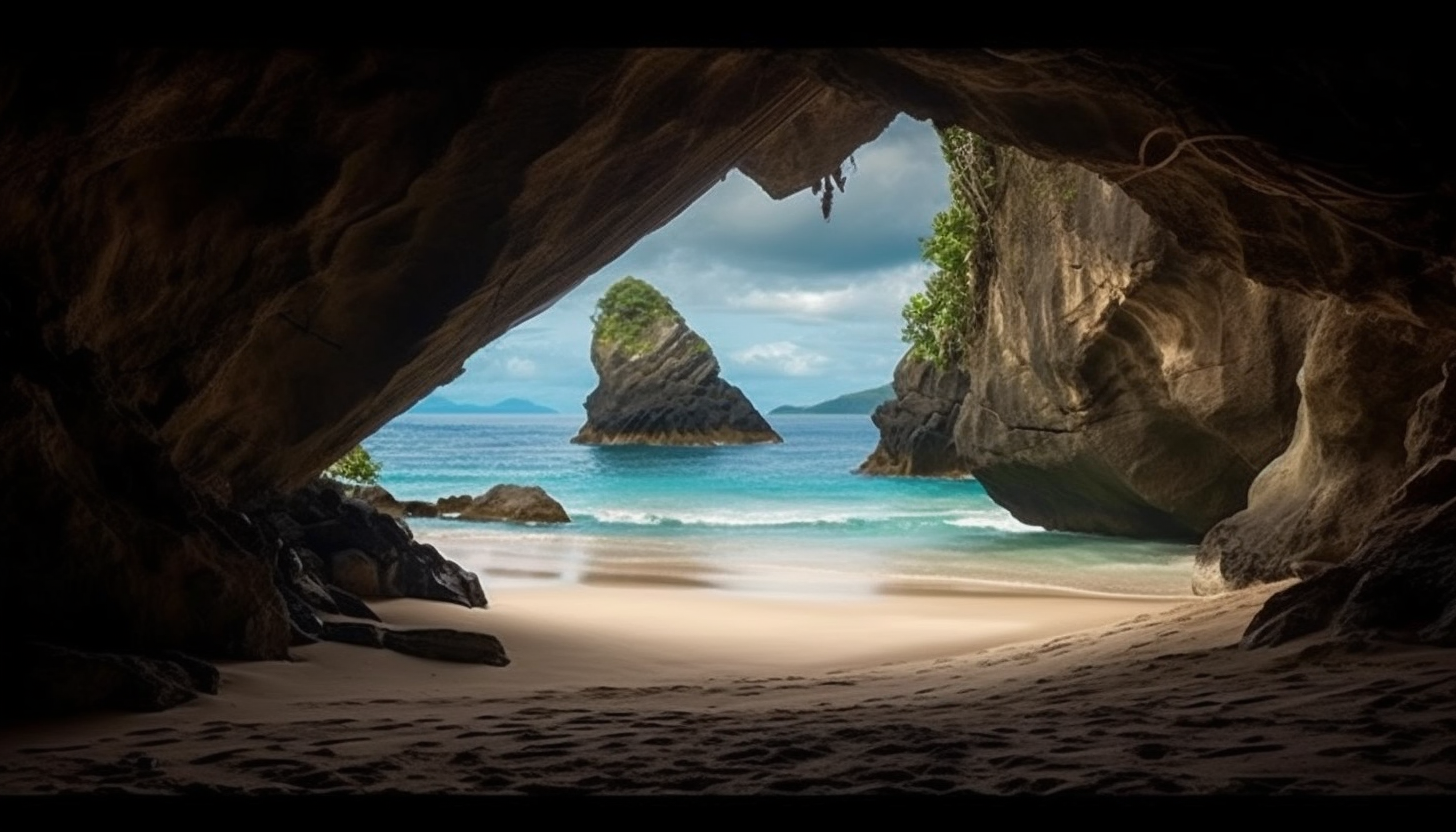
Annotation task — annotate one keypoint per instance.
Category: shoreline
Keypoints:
(635, 690)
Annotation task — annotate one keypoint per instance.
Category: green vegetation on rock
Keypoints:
(628, 313)
(950, 311)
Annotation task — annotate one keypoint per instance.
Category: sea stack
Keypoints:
(658, 381)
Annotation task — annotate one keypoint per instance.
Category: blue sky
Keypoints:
(797, 310)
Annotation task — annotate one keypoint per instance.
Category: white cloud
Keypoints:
(517, 367)
(869, 298)
(786, 357)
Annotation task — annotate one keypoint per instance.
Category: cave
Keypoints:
(225, 268)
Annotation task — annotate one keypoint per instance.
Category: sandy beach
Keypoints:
(640, 689)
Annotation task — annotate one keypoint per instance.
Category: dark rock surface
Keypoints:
(224, 268)
(439, 644)
(515, 504)
(665, 390)
(338, 540)
(46, 679)
(917, 427)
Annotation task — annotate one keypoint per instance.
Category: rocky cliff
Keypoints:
(1109, 381)
(224, 268)
(917, 427)
(658, 381)
(1119, 384)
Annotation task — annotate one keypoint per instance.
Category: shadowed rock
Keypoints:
(49, 679)
(427, 643)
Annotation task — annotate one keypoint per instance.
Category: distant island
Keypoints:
(440, 404)
(862, 403)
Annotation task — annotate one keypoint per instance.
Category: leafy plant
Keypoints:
(951, 309)
(627, 314)
(356, 467)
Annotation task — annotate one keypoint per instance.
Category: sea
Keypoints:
(785, 520)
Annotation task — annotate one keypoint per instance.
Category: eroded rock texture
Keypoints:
(1112, 382)
(220, 270)
(659, 384)
(1352, 449)
(917, 427)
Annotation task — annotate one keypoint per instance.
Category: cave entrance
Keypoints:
(797, 310)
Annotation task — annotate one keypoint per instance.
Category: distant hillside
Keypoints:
(440, 404)
(863, 402)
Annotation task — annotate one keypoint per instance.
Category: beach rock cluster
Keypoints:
(504, 502)
(332, 542)
(225, 268)
(47, 679)
(658, 381)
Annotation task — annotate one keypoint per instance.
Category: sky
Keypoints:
(796, 310)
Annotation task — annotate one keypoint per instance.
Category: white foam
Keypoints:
(999, 521)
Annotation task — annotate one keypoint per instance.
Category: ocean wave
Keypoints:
(999, 522)
(629, 517)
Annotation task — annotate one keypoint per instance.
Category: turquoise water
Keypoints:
(791, 518)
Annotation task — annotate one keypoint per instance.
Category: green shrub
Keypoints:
(356, 467)
(627, 314)
(940, 320)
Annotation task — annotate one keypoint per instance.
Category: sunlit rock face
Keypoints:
(1117, 384)
(224, 269)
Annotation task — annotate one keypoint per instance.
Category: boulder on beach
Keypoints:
(515, 504)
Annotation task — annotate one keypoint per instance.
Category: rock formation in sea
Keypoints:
(224, 268)
(658, 381)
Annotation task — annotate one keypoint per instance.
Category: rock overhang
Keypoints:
(225, 268)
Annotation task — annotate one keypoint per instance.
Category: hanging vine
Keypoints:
(824, 188)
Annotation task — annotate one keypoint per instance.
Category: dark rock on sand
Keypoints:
(364, 551)
(516, 504)
(45, 679)
(438, 644)
(448, 646)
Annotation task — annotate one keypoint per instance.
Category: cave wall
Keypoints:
(222, 269)
(1118, 384)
